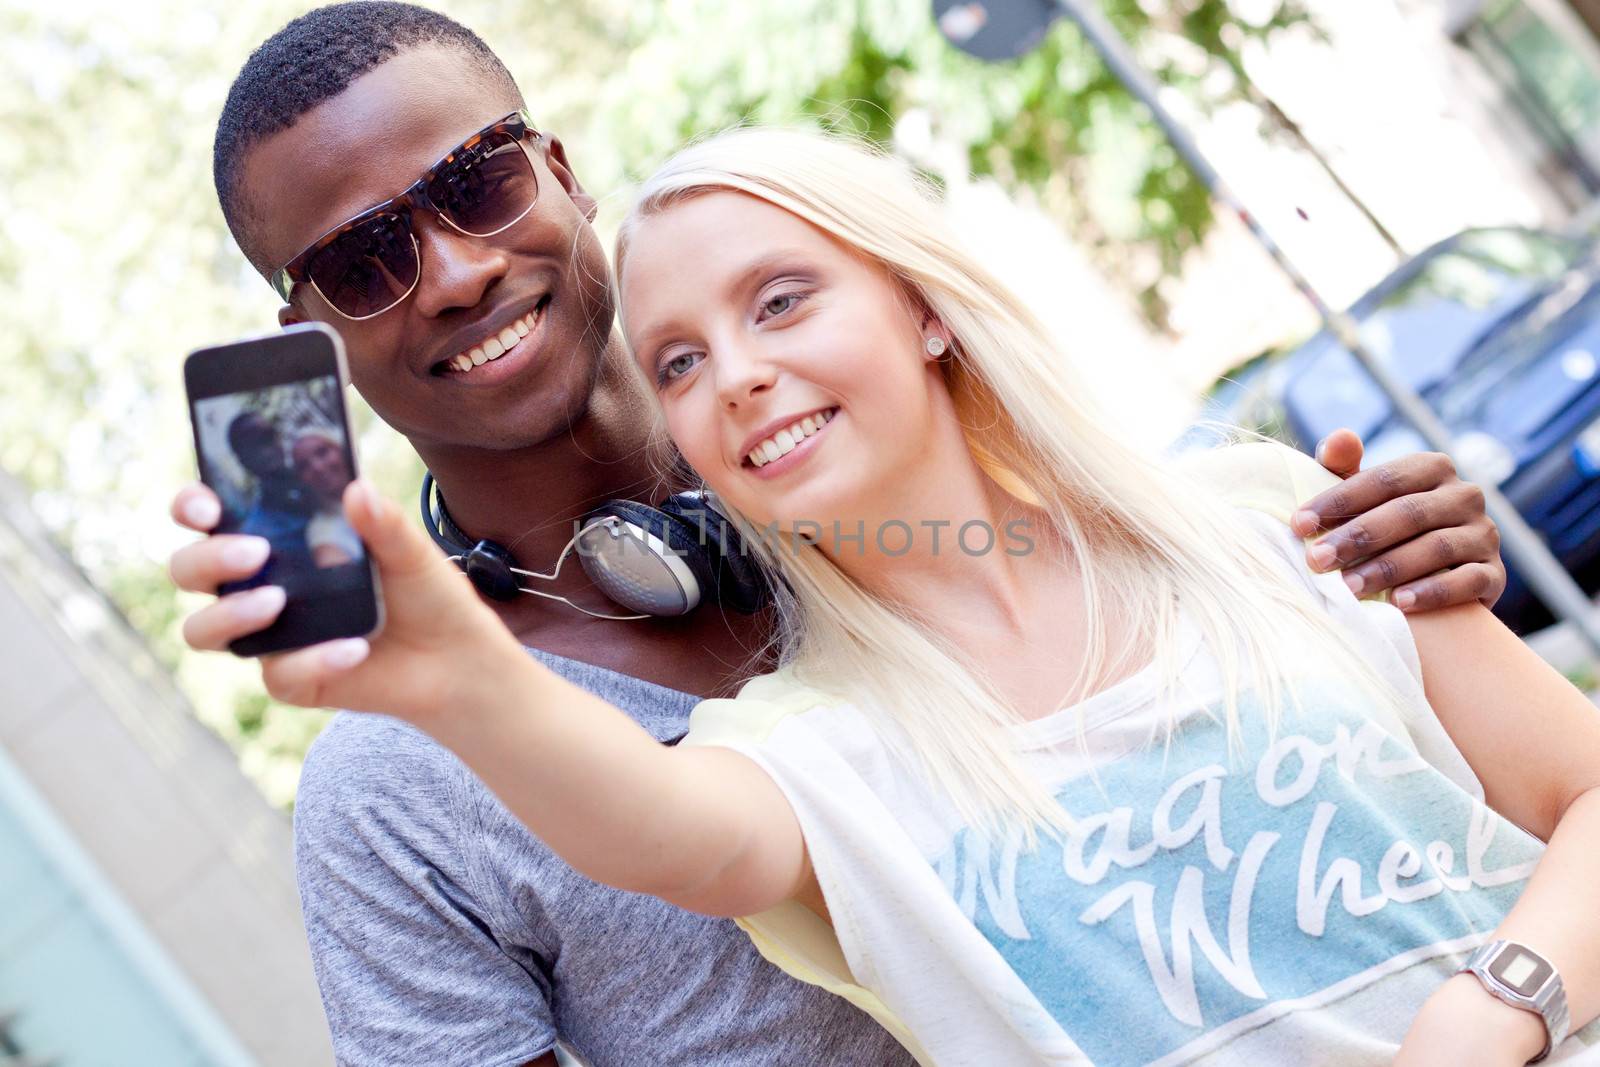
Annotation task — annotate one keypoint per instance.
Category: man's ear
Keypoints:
(556, 157)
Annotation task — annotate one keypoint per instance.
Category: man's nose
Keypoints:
(456, 270)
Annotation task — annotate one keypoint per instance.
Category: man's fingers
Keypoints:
(1455, 547)
(204, 565)
(197, 507)
(1461, 585)
(1341, 452)
(1362, 492)
(212, 627)
(308, 676)
(1400, 520)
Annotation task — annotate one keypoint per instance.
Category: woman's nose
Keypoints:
(742, 372)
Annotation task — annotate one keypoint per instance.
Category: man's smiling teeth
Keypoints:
(784, 441)
(496, 346)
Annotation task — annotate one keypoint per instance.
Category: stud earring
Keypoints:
(935, 346)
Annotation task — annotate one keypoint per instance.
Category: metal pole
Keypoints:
(1534, 561)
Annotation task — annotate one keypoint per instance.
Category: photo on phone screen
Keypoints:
(280, 463)
(274, 444)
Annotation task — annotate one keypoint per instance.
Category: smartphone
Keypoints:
(273, 442)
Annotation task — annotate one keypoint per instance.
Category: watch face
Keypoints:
(1520, 970)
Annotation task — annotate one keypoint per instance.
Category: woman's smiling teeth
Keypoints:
(496, 346)
(784, 441)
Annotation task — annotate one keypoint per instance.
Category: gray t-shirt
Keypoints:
(443, 932)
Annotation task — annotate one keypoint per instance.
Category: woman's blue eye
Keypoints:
(787, 300)
(676, 367)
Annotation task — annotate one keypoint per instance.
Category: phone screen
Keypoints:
(274, 445)
(280, 461)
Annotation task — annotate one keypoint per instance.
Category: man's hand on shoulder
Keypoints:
(1411, 526)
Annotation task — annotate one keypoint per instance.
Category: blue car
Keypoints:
(1499, 330)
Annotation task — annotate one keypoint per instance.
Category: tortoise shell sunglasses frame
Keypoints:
(397, 210)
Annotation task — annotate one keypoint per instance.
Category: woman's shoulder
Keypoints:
(327, 524)
(1263, 476)
(760, 707)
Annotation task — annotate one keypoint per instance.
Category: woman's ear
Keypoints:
(936, 337)
(556, 159)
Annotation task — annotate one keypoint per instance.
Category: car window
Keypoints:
(1472, 271)
(1513, 389)
(1421, 321)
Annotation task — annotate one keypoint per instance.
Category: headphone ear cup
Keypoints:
(740, 582)
(679, 537)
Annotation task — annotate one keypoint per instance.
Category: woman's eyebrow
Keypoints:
(741, 283)
(645, 344)
(758, 270)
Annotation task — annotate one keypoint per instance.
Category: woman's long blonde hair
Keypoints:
(1137, 532)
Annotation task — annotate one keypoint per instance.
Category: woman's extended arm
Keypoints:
(703, 828)
(1534, 742)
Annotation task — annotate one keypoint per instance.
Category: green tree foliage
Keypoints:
(1053, 123)
(114, 259)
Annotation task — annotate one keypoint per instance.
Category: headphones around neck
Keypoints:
(656, 561)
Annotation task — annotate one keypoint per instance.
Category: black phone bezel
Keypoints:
(297, 353)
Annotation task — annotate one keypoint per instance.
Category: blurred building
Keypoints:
(1539, 61)
(1410, 120)
(148, 913)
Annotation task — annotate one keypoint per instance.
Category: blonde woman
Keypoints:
(318, 457)
(1105, 774)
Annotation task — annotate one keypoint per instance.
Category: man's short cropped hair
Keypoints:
(312, 59)
(247, 425)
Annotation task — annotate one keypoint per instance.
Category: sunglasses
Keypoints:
(368, 264)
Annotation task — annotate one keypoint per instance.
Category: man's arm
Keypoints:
(1410, 525)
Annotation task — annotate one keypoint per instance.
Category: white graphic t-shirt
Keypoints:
(1291, 901)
